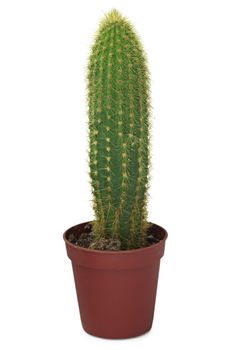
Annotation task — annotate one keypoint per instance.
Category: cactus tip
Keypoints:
(114, 16)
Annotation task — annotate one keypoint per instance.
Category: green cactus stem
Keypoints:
(119, 110)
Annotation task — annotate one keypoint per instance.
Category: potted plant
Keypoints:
(116, 256)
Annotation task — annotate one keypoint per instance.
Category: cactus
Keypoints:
(119, 110)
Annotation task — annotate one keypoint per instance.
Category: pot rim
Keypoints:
(115, 252)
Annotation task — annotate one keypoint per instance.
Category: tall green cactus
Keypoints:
(119, 108)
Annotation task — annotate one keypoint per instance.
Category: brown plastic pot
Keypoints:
(116, 290)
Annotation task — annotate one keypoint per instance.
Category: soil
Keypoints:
(87, 239)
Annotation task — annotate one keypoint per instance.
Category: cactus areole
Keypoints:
(116, 257)
(119, 112)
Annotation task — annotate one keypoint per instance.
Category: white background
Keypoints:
(44, 186)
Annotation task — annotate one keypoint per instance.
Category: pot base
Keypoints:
(111, 336)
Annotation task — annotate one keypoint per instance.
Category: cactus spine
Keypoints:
(119, 108)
